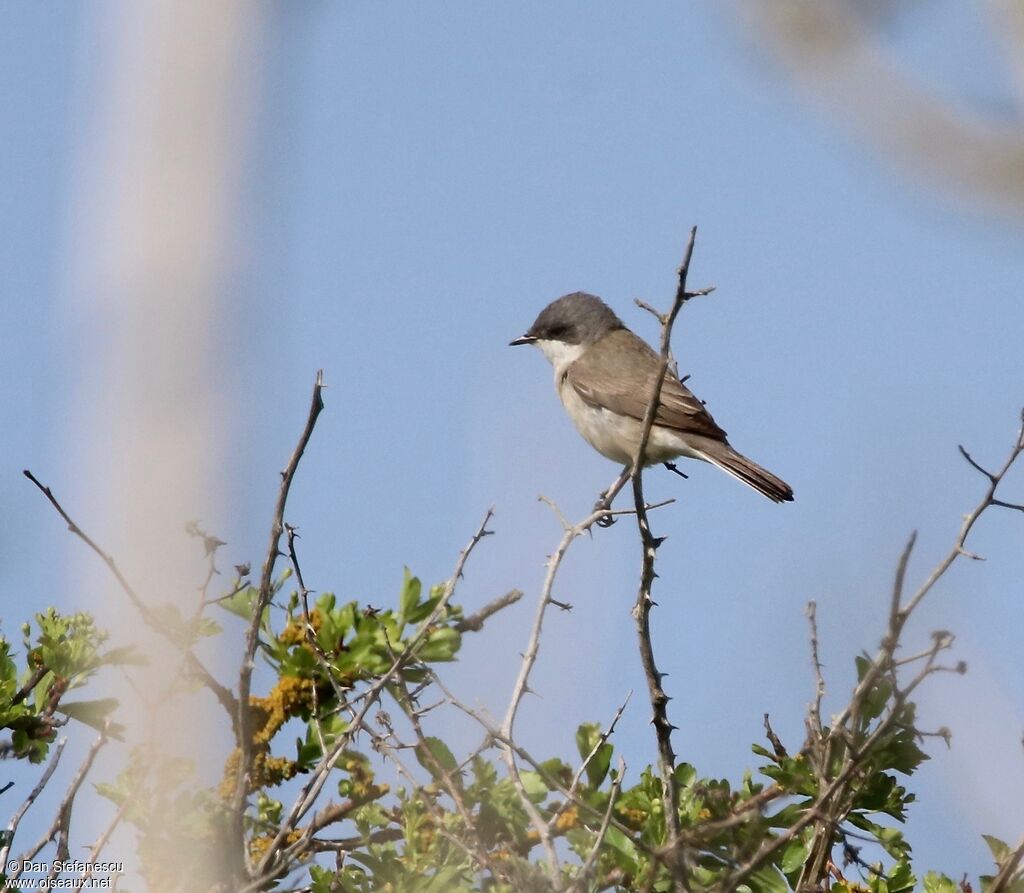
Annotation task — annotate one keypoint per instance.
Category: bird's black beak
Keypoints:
(524, 339)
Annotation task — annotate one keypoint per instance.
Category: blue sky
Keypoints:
(419, 182)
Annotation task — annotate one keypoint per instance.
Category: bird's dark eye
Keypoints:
(558, 331)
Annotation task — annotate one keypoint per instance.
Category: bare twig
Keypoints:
(667, 321)
(30, 684)
(263, 597)
(570, 533)
(475, 621)
(958, 549)
(819, 678)
(595, 849)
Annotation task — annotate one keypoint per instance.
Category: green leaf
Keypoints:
(901, 879)
(876, 699)
(206, 626)
(424, 609)
(794, 774)
(863, 664)
(794, 854)
(410, 597)
(127, 656)
(890, 839)
(939, 883)
(1000, 850)
(536, 790)
(435, 756)
(588, 736)
(684, 775)
(440, 645)
(768, 880)
(94, 713)
(623, 850)
(241, 604)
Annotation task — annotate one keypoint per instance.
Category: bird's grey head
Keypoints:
(578, 319)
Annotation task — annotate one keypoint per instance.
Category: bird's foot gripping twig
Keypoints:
(604, 520)
(605, 500)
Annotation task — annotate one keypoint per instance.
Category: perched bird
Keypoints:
(605, 377)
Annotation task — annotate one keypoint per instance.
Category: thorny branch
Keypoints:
(649, 544)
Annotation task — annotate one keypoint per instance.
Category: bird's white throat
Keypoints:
(559, 353)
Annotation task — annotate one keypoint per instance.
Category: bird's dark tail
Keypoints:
(743, 469)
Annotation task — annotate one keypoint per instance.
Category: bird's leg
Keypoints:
(604, 501)
(671, 466)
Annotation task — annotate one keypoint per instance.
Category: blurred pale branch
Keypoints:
(835, 49)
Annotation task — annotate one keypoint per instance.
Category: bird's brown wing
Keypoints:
(616, 373)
